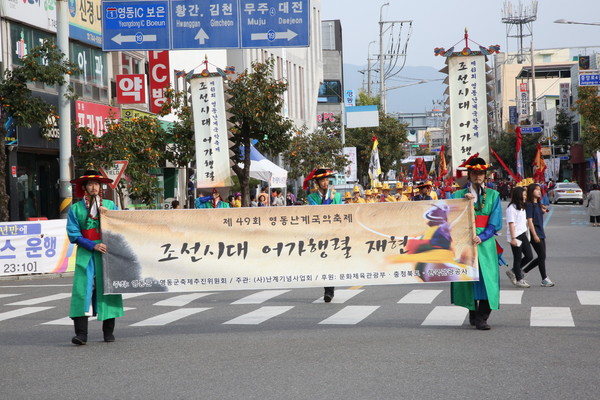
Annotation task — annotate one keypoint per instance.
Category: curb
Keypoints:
(31, 277)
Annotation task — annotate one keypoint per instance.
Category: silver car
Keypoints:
(566, 191)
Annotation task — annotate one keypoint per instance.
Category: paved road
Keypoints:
(382, 342)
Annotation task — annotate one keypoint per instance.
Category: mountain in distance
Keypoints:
(410, 99)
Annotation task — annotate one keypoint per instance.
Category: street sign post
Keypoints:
(199, 24)
(274, 23)
(589, 78)
(138, 25)
(115, 172)
(529, 129)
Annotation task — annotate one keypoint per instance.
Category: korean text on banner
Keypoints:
(39, 247)
(289, 247)
(210, 127)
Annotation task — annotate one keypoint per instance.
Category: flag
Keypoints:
(539, 165)
(419, 170)
(443, 168)
(519, 155)
(374, 165)
(504, 165)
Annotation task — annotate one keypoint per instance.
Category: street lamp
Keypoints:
(564, 21)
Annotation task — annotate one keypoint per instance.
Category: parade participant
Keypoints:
(369, 196)
(386, 196)
(423, 194)
(516, 235)
(213, 201)
(433, 192)
(483, 296)
(83, 229)
(238, 200)
(323, 196)
(347, 198)
(535, 222)
(356, 199)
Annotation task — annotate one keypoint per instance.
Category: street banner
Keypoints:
(374, 164)
(40, 247)
(289, 247)
(94, 116)
(468, 108)
(351, 169)
(160, 79)
(210, 128)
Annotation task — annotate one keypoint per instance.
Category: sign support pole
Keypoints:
(64, 111)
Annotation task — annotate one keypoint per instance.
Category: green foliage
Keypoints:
(588, 106)
(391, 135)
(322, 148)
(365, 100)
(45, 64)
(180, 136)
(141, 141)
(562, 129)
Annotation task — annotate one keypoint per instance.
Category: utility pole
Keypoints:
(64, 111)
(381, 60)
(533, 95)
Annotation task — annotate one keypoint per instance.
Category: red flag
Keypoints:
(504, 165)
(519, 156)
(442, 169)
(539, 164)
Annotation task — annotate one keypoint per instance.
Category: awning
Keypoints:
(263, 169)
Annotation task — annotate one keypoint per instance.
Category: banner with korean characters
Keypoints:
(468, 108)
(289, 247)
(39, 247)
(210, 127)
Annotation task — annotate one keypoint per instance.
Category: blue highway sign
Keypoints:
(135, 25)
(200, 24)
(274, 23)
(589, 78)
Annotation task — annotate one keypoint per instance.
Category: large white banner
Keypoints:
(39, 247)
(289, 247)
(210, 127)
(468, 108)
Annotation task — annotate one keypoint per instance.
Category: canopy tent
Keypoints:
(263, 169)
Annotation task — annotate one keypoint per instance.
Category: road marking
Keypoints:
(260, 297)
(132, 295)
(67, 321)
(551, 316)
(350, 315)
(258, 316)
(355, 287)
(39, 300)
(341, 296)
(511, 296)
(420, 296)
(182, 300)
(21, 311)
(4, 295)
(171, 316)
(589, 297)
(35, 286)
(446, 316)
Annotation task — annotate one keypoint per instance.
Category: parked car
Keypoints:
(566, 191)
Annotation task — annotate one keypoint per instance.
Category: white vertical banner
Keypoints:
(351, 169)
(564, 99)
(210, 128)
(523, 101)
(468, 108)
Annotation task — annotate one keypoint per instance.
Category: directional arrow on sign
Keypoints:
(289, 35)
(201, 36)
(120, 39)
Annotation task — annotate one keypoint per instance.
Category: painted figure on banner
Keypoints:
(322, 196)
(213, 201)
(483, 296)
(83, 229)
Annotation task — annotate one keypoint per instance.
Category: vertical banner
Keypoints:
(160, 78)
(468, 108)
(210, 127)
(351, 170)
(131, 89)
(523, 101)
(564, 99)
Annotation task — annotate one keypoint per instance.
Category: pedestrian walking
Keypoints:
(517, 236)
(534, 210)
(83, 229)
(593, 205)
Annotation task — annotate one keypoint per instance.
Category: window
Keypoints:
(330, 92)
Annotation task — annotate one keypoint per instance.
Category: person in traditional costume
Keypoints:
(322, 196)
(356, 199)
(483, 296)
(424, 188)
(213, 201)
(83, 228)
(386, 196)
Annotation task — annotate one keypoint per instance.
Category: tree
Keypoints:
(256, 105)
(45, 64)
(562, 129)
(588, 106)
(310, 150)
(141, 141)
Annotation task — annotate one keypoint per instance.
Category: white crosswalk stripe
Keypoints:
(511, 296)
(39, 300)
(420, 296)
(446, 316)
(342, 295)
(5, 295)
(132, 295)
(21, 312)
(67, 321)
(350, 315)
(171, 316)
(260, 297)
(182, 300)
(259, 316)
(589, 297)
(551, 317)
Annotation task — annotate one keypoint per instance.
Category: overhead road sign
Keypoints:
(135, 25)
(274, 23)
(589, 78)
(528, 129)
(200, 24)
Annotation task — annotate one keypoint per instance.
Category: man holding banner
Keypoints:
(483, 296)
(322, 196)
(83, 229)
